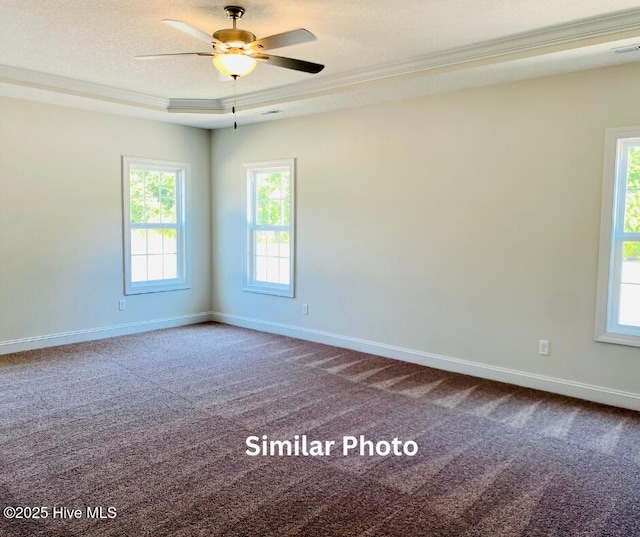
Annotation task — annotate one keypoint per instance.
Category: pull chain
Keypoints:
(235, 96)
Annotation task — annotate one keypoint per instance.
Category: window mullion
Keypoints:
(139, 225)
(626, 236)
(262, 227)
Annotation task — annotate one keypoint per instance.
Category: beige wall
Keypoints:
(463, 225)
(460, 226)
(61, 221)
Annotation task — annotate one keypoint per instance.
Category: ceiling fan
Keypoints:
(236, 52)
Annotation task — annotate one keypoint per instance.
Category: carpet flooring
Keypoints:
(146, 435)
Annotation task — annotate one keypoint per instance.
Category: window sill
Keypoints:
(142, 289)
(269, 290)
(619, 339)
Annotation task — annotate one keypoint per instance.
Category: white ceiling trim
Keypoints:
(79, 88)
(587, 32)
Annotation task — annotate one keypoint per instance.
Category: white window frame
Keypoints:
(612, 236)
(251, 284)
(182, 281)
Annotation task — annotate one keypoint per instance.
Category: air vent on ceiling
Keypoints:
(630, 48)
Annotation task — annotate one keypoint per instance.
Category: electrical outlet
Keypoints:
(543, 347)
(122, 304)
(305, 309)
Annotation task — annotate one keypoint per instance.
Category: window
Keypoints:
(154, 225)
(618, 310)
(269, 266)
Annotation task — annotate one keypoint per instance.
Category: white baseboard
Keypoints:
(570, 388)
(77, 336)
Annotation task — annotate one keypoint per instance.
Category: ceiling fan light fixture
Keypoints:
(234, 63)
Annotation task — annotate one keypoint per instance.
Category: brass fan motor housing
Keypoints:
(234, 35)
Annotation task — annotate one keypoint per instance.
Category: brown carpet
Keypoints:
(154, 425)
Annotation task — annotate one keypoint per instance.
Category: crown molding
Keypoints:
(564, 37)
(79, 88)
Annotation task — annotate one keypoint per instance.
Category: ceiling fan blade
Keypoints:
(291, 63)
(188, 29)
(153, 56)
(285, 39)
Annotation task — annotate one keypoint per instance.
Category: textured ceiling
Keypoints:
(95, 42)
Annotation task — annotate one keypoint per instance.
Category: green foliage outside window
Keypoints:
(273, 207)
(632, 205)
(152, 198)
